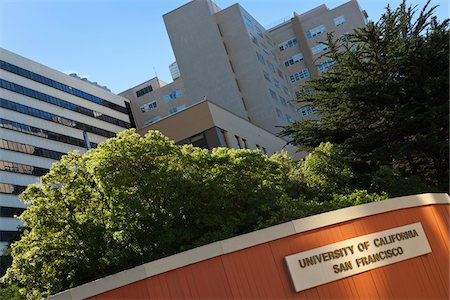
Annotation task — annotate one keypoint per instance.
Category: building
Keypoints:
(45, 114)
(219, 57)
(207, 125)
(228, 57)
(298, 41)
(391, 249)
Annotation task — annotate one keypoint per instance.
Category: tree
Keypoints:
(384, 103)
(135, 199)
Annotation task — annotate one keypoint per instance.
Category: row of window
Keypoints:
(53, 118)
(177, 109)
(319, 48)
(338, 21)
(61, 103)
(282, 100)
(255, 28)
(294, 59)
(152, 120)
(60, 86)
(303, 74)
(7, 236)
(241, 143)
(11, 125)
(315, 31)
(28, 149)
(323, 66)
(13, 167)
(287, 44)
(307, 110)
(172, 95)
(149, 106)
(10, 212)
(12, 189)
(284, 117)
(144, 91)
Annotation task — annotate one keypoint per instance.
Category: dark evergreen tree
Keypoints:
(384, 103)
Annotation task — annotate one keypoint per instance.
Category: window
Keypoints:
(319, 48)
(238, 141)
(10, 212)
(294, 59)
(254, 40)
(323, 66)
(177, 109)
(273, 94)
(245, 143)
(279, 113)
(266, 76)
(315, 31)
(269, 41)
(277, 84)
(280, 74)
(21, 168)
(144, 91)
(266, 50)
(61, 103)
(42, 133)
(260, 58)
(345, 37)
(288, 118)
(307, 110)
(248, 22)
(172, 96)
(283, 101)
(149, 106)
(259, 31)
(271, 67)
(152, 120)
(287, 44)
(303, 74)
(339, 20)
(62, 87)
(53, 118)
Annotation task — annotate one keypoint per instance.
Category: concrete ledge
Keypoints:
(248, 240)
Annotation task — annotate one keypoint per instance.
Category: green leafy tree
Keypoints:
(135, 199)
(385, 101)
(325, 171)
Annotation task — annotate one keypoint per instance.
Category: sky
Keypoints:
(122, 43)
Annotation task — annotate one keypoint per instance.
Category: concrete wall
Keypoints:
(201, 56)
(253, 265)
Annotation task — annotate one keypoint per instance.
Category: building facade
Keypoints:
(298, 42)
(207, 125)
(45, 114)
(229, 58)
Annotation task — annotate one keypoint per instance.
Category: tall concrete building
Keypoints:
(222, 58)
(228, 57)
(43, 115)
(298, 41)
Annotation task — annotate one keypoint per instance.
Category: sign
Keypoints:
(343, 259)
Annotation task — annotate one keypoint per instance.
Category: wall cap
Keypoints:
(248, 240)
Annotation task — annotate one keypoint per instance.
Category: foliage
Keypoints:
(385, 101)
(10, 292)
(308, 207)
(134, 199)
(325, 172)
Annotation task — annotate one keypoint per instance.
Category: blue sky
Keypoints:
(120, 43)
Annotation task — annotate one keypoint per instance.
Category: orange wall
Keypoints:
(260, 271)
